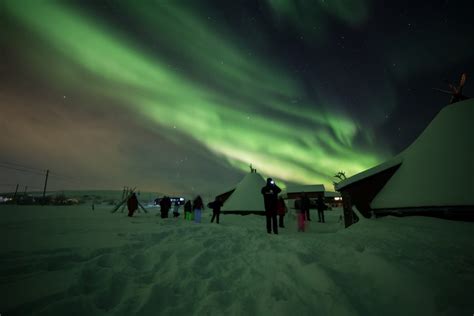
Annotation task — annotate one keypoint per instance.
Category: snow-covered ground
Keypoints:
(74, 261)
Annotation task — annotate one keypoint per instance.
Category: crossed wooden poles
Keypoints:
(126, 194)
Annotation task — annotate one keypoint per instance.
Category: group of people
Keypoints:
(303, 211)
(274, 205)
(192, 211)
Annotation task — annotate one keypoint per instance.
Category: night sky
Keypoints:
(181, 96)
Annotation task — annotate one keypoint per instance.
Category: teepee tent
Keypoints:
(434, 175)
(247, 197)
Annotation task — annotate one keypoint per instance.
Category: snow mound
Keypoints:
(70, 260)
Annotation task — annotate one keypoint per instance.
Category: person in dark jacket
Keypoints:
(270, 199)
(198, 207)
(281, 209)
(165, 205)
(216, 209)
(321, 207)
(305, 205)
(132, 204)
(188, 208)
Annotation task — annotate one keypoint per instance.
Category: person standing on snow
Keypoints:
(301, 215)
(198, 206)
(165, 205)
(132, 204)
(216, 209)
(270, 199)
(305, 205)
(187, 210)
(321, 207)
(281, 209)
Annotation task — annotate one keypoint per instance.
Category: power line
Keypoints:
(42, 173)
(58, 177)
(21, 166)
(22, 170)
(7, 184)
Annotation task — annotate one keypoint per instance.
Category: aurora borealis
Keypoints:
(181, 96)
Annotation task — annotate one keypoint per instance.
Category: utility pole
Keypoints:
(24, 193)
(16, 191)
(45, 184)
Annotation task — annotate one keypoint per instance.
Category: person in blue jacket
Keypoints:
(198, 207)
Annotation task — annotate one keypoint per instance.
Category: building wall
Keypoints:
(363, 192)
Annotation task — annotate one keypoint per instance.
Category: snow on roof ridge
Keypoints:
(370, 172)
(398, 159)
(304, 187)
(437, 167)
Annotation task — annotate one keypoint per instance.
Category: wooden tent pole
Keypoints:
(140, 204)
(14, 195)
(123, 202)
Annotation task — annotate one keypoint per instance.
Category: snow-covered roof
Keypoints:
(331, 194)
(247, 195)
(369, 172)
(305, 188)
(437, 169)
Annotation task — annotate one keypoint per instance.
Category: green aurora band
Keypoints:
(308, 16)
(234, 104)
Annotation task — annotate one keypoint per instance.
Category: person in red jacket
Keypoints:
(132, 204)
(281, 209)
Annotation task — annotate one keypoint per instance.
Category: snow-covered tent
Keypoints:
(434, 175)
(246, 197)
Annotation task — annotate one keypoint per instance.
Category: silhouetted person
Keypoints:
(321, 207)
(198, 206)
(188, 210)
(216, 209)
(305, 205)
(132, 204)
(165, 205)
(281, 209)
(270, 199)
